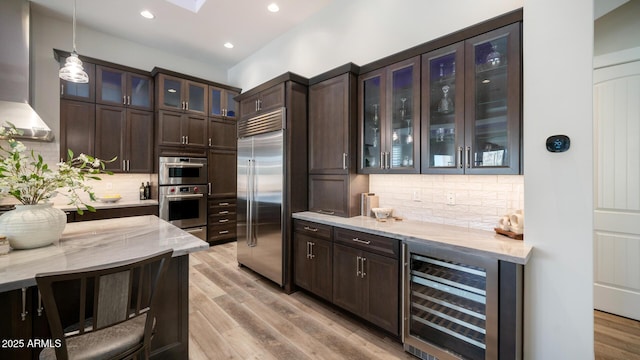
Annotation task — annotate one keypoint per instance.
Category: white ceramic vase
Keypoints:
(32, 226)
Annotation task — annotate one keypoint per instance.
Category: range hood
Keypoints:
(14, 72)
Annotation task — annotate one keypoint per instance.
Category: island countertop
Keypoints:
(472, 241)
(93, 243)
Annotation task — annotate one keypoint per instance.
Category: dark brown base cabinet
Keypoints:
(313, 258)
(23, 319)
(366, 277)
(355, 271)
(221, 225)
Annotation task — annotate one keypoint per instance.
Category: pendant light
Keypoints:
(72, 70)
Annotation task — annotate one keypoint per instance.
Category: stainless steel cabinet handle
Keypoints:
(382, 160)
(124, 165)
(223, 232)
(182, 105)
(223, 204)
(186, 139)
(308, 249)
(124, 100)
(209, 141)
(328, 212)
(358, 272)
(311, 253)
(388, 160)
(460, 157)
(366, 242)
(223, 220)
(468, 157)
(186, 104)
(310, 228)
(208, 188)
(61, 89)
(40, 307)
(344, 161)
(23, 314)
(225, 212)
(362, 273)
(128, 100)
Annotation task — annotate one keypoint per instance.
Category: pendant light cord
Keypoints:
(74, 25)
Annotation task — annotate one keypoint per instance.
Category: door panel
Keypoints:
(617, 188)
(245, 153)
(268, 170)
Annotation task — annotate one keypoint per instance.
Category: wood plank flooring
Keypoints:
(616, 338)
(236, 314)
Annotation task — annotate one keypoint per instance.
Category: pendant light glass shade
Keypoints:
(72, 70)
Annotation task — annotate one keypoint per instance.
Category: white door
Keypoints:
(617, 189)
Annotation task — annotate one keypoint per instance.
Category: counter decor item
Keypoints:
(382, 214)
(512, 225)
(26, 177)
(4, 245)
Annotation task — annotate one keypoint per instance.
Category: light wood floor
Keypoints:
(235, 314)
(616, 338)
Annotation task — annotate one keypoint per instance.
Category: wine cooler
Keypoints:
(451, 304)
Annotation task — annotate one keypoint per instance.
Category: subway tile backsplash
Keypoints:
(480, 200)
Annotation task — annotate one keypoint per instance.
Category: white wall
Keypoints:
(558, 52)
(361, 31)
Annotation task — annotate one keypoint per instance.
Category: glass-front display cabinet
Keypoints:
(119, 87)
(443, 110)
(222, 103)
(390, 119)
(471, 113)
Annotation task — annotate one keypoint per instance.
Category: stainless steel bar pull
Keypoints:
(460, 157)
(366, 242)
(23, 314)
(311, 252)
(362, 272)
(468, 157)
(344, 161)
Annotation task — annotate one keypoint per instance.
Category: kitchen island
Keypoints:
(95, 243)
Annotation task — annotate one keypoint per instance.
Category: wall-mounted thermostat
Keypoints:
(558, 143)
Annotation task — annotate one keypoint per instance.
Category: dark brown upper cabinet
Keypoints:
(123, 88)
(389, 113)
(222, 134)
(77, 127)
(222, 103)
(471, 105)
(183, 130)
(263, 101)
(182, 95)
(77, 91)
(126, 134)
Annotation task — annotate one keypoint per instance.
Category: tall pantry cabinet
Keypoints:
(334, 186)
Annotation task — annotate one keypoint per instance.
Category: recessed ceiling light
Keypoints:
(273, 7)
(147, 14)
(228, 45)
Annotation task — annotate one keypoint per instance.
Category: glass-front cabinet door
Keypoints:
(493, 114)
(372, 89)
(110, 86)
(221, 103)
(140, 91)
(170, 93)
(196, 98)
(443, 110)
(389, 117)
(403, 113)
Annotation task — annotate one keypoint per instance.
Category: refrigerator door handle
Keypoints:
(254, 186)
(248, 226)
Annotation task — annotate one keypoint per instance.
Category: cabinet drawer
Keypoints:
(220, 219)
(368, 242)
(223, 231)
(312, 229)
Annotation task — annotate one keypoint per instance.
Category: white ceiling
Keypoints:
(245, 23)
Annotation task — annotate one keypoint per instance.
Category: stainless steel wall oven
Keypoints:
(182, 193)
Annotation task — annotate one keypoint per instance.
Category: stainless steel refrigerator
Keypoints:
(261, 179)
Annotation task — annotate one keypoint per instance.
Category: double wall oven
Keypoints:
(182, 193)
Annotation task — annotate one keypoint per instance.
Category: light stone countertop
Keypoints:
(471, 241)
(110, 205)
(93, 243)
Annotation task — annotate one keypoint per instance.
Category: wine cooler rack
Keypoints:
(448, 305)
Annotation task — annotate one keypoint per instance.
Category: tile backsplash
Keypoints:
(479, 200)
